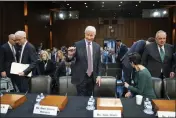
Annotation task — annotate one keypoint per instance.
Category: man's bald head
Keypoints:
(20, 36)
(12, 39)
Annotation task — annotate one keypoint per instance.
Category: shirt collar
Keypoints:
(88, 41)
(10, 44)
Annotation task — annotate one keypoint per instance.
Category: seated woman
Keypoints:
(60, 64)
(142, 80)
(45, 66)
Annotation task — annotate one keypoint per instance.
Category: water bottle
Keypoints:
(38, 99)
(42, 96)
(90, 104)
(1, 94)
(148, 107)
(146, 102)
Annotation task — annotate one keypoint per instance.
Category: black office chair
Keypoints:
(41, 84)
(66, 87)
(157, 86)
(115, 72)
(111, 65)
(170, 88)
(103, 72)
(107, 87)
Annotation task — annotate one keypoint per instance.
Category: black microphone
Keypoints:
(67, 74)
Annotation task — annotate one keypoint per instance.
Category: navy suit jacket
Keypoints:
(29, 56)
(6, 58)
(79, 64)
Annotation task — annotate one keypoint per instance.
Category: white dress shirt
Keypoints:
(162, 48)
(13, 50)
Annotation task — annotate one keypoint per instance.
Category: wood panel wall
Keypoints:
(128, 30)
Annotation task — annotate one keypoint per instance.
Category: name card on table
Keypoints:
(166, 114)
(45, 110)
(4, 108)
(107, 113)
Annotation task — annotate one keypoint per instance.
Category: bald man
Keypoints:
(7, 56)
(26, 54)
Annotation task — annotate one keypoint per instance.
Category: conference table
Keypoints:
(76, 107)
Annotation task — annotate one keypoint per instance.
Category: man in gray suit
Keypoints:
(85, 57)
(158, 56)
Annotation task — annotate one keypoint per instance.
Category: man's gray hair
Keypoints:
(20, 33)
(160, 31)
(90, 28)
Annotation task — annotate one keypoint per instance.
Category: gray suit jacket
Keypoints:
(152, 61)
(79, 64)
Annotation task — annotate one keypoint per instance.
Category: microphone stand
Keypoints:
(67, 74)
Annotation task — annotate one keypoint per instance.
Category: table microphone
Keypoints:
(67, 74)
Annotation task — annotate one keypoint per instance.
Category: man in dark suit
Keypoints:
(86, 62)
(121, 49)
(26, 54)
(7, 56)
(8, 53)
(157, 57)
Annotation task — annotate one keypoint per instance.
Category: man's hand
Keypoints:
(3, 74)
(71, 51)
(128, 94)
(98, 81)
(21, 74)
(172, 74)
(126, 84)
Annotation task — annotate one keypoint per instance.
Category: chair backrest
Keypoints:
(170, 87)
(157, 86)
(107, 87)
(71, 90)
(103, 72)
(111, 65)
(115, 72)
(41, 84)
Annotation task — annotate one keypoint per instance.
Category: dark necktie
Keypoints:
(89, 59)
(18, 53)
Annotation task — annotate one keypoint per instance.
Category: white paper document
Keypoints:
(107, 113)
(166, 114)
(108, 102)
(16, 68)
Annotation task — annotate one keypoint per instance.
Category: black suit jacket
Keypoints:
(79, 65)
(6, 58)
(151, 60)
(123, 50)
(50, 68)
(29, 56)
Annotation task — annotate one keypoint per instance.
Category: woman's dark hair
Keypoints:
(135, 58)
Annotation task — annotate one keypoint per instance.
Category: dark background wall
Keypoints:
(66, 32)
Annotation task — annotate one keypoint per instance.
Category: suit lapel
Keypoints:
(84, 49)
(166, 52)
(156, 53)
(93, 49)
(24, 52)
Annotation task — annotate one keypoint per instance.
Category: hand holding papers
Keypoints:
(18, 68)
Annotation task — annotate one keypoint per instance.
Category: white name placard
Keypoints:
(4, 108)
(107, 113)
(45, 110)
(168, 114)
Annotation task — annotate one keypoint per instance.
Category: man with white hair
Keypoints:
(158, 57)
(86, 62)
(26, 54)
